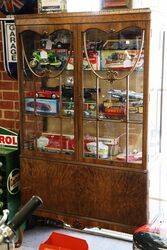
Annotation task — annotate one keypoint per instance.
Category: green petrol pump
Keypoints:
(9, 172)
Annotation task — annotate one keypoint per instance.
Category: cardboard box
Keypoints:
(44, 106)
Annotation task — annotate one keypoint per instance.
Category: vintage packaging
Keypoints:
(44, 106)
(111, 58)
(120, 59)
(56, 142)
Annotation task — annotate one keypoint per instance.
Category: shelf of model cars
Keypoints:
(109, 149)
(115, 59)
(112, 113)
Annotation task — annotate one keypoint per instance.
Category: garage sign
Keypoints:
(9, 46)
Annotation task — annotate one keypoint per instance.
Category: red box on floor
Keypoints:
(58, 241)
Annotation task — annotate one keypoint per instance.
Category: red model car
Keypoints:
(44, 94)
(43, 107)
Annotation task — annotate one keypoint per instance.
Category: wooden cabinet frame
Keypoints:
(83, 192)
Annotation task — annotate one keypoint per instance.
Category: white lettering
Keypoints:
(11, 42)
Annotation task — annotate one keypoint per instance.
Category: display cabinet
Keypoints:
(84, 116)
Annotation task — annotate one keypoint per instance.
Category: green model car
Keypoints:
(49, 58)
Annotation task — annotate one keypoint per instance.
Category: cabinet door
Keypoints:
(113, 94)
(48, 91)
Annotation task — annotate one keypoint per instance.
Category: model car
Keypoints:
(89, 109)
(121, 95)
(44, 107)
(44, 94)
(68, 108)
(49, 58)
(68, 91)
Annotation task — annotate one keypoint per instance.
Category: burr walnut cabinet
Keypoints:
(84, 116)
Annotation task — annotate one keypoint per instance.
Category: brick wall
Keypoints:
(9, 97)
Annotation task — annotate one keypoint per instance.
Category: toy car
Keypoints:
(68, 91)
(121, 95)
(49, 58)
(44, 94)
(39, 106)
(68, 108)
(89, 109)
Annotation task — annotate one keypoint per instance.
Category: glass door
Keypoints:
(48, 92)
(112, 82)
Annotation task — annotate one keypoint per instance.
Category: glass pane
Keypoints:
(111, 143)
(110, 107)
(48, 89)
(46, 53)
(68, 136)
(29, 135)
(39, 99)
(112, 100)
(107, 141)
(90, 95)
(116, 50)
(55, 135)
(67, 89)
(136, 96)
(135, 143)
(90, 139)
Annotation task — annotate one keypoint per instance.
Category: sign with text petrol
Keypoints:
(8, 138)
